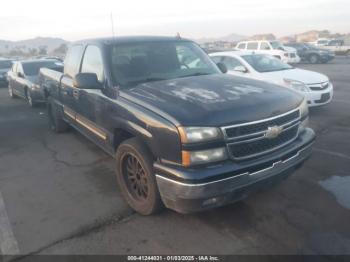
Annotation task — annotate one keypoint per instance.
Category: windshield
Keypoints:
(143, 62)
(6, 64)
(32, 68)
(264, 63)
(277, 45)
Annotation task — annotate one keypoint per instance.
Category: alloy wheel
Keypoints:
(135, 177)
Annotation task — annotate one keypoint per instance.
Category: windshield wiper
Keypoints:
(146, 80)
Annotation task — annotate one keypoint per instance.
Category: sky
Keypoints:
(77, 19)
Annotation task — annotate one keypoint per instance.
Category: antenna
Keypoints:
(112, 22)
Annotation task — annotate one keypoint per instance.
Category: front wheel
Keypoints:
(314, 59)
(136, 178)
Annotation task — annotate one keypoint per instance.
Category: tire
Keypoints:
(12, 95)
(314, 59)
(56, 122)
(30, 100)
(136, 178)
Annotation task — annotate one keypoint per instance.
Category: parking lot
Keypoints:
(58, 195)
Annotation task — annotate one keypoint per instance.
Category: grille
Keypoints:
(248, 129)
(324, 98)
(249, 139)
(318, 87)
(264, 145)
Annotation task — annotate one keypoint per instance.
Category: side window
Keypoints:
(264, 46)
(231, 63)
(216, 59)
(252, 46)
(241, 46)
(72, 61)
(92, 62)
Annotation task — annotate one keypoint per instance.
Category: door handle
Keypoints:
(76, 94)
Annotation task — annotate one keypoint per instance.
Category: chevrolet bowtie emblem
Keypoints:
(273, 132)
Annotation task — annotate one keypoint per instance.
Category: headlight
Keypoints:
(304, 113)
(304, 109)
(297, 85)
(190, 158)
(286, 54)
(198, 134)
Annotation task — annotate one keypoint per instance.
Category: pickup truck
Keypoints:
(338, 46)
(184, 135)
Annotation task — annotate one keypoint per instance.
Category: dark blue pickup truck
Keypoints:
(183, 134)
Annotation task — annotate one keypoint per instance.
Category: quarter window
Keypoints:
(241, 46)
(264, 46)
(93, 63)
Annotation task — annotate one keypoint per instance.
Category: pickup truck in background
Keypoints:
(183, 134)
(337, 46)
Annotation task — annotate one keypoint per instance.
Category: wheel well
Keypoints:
(120, 135)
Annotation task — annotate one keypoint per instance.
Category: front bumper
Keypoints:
(229, 182)
(290, 60)
(319, 98)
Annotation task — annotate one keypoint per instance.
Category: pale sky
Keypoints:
(76, 19)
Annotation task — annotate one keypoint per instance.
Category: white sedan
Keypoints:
(315, 86)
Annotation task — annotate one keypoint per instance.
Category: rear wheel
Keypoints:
(56, 122)
(314, 59)
(136, 178)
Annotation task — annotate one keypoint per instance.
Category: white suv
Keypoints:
(274, 48)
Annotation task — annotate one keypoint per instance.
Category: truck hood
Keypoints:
(214, 100)
(305, 76)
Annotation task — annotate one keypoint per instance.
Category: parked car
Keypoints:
(337, 46)
(5, 66)
(321, 42)
(183, 134)
(314, 86)
(312, 54)
(274, 48)
(24, 79)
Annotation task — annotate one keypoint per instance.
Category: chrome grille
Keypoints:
(249, 139)
(318, 87)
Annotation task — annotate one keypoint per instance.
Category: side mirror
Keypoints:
(240, 69)
(222, 67)
(20, 75)
(86, 81)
